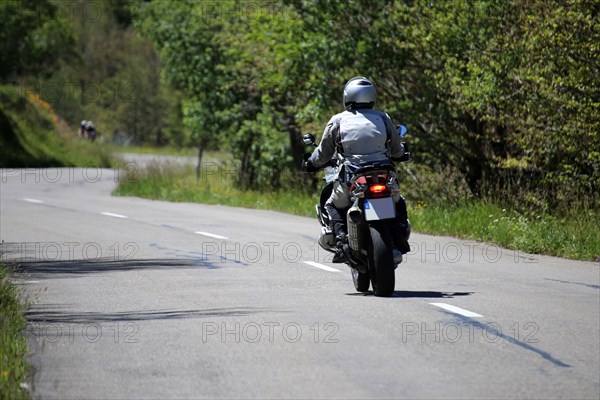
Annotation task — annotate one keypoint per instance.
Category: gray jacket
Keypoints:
(360, 135)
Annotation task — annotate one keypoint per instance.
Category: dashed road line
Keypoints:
(321, 266)
(212, 235)
(109, 214)
(457, 310)
(35, 201)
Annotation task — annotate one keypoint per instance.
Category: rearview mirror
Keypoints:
(308, 139)
(401, 129)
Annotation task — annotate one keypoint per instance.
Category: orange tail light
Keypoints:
(377, 188)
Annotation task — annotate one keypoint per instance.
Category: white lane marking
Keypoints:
(212, 235)
(457, 310)
(35, 201)
(321, 266)
(108, 214)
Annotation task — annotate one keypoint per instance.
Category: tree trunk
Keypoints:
(159, 138)
(199, 166)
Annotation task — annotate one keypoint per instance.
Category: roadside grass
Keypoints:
(13, 345)
(575, 236)
(210, 159)
(164, 151)
(166, 182)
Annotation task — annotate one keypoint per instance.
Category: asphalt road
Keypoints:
(133, 298)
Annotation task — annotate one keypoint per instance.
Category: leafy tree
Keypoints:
(34, 36)
(184, 34)
(516, 94)
(480, 83)
(110, 74)
(506, 92)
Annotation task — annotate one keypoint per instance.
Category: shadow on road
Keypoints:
(50, 314)
(66, 268)
(429, 294)
(418, 294)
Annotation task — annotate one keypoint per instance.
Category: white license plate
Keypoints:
(376, 209)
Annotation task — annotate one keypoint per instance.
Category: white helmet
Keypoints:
(359, 91)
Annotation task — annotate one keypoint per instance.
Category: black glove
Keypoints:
(405, 156)
(307, 166)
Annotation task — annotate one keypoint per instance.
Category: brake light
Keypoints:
(377, 188)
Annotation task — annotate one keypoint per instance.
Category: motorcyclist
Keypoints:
(81, 132)
(359, 134)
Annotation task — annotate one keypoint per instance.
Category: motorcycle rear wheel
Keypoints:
(381, 261)
(361, 281)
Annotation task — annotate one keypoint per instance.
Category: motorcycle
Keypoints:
(370, 219)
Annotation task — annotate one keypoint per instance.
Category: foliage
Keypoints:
(13, 345)
(186, 42)
(85, 58)
(245, 82)
(522, 95)
(31, 35)
(502, 95)
(34, 136)
(505, 92)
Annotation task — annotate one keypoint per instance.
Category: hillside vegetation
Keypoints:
(34, 136)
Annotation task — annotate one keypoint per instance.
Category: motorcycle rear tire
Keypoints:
(362, 281)
(381, 261)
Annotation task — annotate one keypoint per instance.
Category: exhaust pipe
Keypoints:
(326, 239)
(354, 217)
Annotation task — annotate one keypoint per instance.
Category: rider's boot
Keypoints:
(341, 242)
(400, 235)
(401, 231)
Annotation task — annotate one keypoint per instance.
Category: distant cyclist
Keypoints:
(81, 132)
(90, 130)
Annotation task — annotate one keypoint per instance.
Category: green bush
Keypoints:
(576, 235)
(13, 345)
